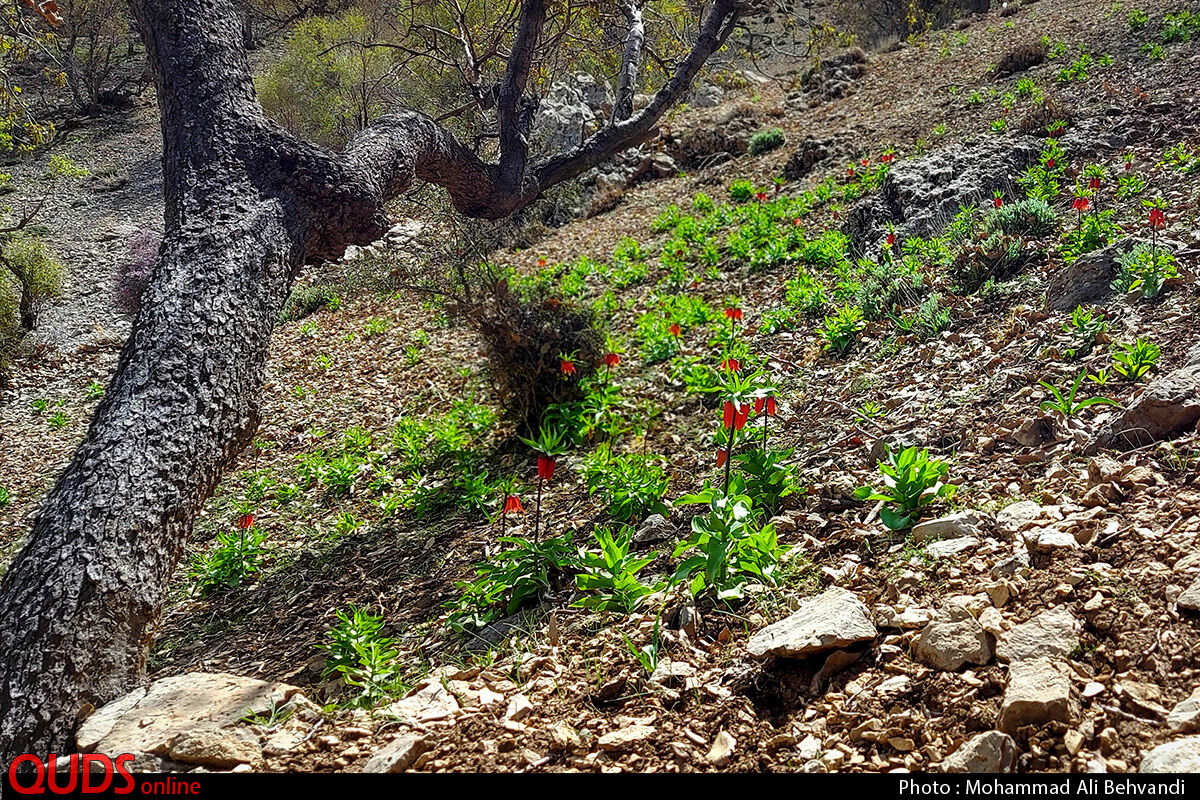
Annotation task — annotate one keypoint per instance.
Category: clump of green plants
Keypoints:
(912, 481)
(510, 580)
(741, 191)
(610, 573)
(766, 141)
(841, 330)
(358, 653)
(631, 486)
(728, 548)
(1093, 232)
(1065, 402)
(930, 318)
(1028, 217)
(307, 301)
(767, 477)
(1085, 327)
(237, 556)
(1133, 361)
(5, 496)
(1145, 269)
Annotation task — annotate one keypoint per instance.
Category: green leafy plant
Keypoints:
(631, 486)
(610, 573)
(728, 548)
(1133, 361)
(1066, 404)
(841, 330)
(5, 496)
(358, 652)
(648, 654)
(767, 477)
(236, 557)
(1084, 327)
(766, 141)
(912, 480)
(510, 580)
(1145, 269)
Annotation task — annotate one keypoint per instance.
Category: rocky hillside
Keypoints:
(941, 299)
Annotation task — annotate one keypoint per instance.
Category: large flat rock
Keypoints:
(835, 618)
(147, 719)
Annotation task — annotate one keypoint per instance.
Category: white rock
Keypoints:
(952, 639)
(1049, 634)
(399, 755)
(1185, 716)
(833, 619)
(954, 526)
(1181, 755)
(722, 749)
(1039, 691)
(987, 752)
(1190, 599)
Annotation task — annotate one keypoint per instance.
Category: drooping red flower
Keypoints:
(512, 505)
(772, 406)
(887, 158)
(998, 202)
(759, 402)
(1157, 218)
(891, 239)
(1128, 166)
(1094, 183)
(761, 197)
(245, 522)
(795, 222)
(728, 412)
(674, 330)
(734, 314)
(546, 467)
(731, 365)
(866, 161)
(850, 171)
(611, 360)
(722, 457)
(743, 414)
(542, 262)
(566, 367)
(1080, 204)
(1050, 163)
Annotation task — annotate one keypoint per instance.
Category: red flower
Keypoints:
(891, 239)
(772, 407)
(731, 365)
(245, 522)
(512, 505)
(541, 262)
(611, 360)
(998, 202)
(1080, 204)
(722, 457)
(1049, 163)
(674, 330)
(850, 171)
(727, 415)
(796, 222)
(866, 161)
(742, 415)
(758, 404)
(567, 367)
(761, 197)
(1157, 218)
(1128, 166)
(1094, 183)
(887, 158)
(734, 314)
(545, 467)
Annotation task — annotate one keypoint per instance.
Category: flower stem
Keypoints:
(537, 524)
(729, 455)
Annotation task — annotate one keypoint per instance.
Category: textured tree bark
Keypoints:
(246, 205)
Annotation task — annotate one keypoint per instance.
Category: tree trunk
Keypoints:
(246, 205)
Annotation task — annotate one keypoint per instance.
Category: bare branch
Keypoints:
(515, 111)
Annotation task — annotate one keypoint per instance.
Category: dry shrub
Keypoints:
(1019, 59)
(1051, 109)
(524, 338)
